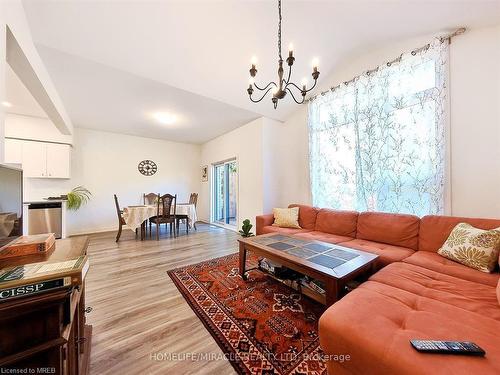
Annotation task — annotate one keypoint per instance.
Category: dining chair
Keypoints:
(121, 220)
(150, 199)
(193, 199)
(165, 213)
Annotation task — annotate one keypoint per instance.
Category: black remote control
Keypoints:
(447, 347)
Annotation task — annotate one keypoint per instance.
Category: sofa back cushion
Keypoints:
(435, 230)
(392, 229)
(342, 223)
(307, 215)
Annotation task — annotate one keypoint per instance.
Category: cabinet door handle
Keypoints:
(88, 309)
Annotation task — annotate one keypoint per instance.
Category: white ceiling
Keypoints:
(100, 97)
(114, 61)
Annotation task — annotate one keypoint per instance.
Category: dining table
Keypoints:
(136, 216)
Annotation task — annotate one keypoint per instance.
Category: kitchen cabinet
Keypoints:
(46, 160)
(58, 160)
(13, 151)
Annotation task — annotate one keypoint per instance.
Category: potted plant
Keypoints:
(245, 228)
(78, 197)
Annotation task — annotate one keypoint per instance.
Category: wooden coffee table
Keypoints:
(332, 264)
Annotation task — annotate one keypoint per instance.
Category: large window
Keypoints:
(378, 143)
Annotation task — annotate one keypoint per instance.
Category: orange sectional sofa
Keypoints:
(415, 294)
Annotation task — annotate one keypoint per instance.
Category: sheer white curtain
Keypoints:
(378, 143)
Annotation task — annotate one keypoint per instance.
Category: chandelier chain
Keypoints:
(279, 30)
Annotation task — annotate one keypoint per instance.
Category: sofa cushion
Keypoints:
(392, 229)
(434, 230)
(342, 223)
(436, 262)
(387, 253)
(375, 322)
(468, 295)
(307, 215)
(321, 236)
(286, 217)
(271, 229)
(473, 247)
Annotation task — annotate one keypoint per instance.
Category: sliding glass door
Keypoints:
(225, 190)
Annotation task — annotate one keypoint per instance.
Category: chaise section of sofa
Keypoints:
(375, 323)
(423, 297)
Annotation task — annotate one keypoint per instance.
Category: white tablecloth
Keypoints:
(135, 215)
(187, 209)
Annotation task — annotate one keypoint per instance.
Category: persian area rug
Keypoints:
(262, 326)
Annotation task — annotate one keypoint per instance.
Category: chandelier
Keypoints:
(280, 89)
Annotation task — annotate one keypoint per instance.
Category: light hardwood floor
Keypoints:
(138, 311)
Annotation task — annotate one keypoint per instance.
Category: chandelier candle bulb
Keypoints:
(315, 65)
(304, 84)
(290, 50)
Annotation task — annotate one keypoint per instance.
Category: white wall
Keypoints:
(475, 122)
(273, 168)
(106, 163)
(35, 128)
(244, 144)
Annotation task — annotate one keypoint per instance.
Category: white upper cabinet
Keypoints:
(46, 160)
(34, 159)
(13, 151)
(58, 160)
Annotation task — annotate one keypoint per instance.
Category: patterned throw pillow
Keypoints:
(473, 247)
(286, 217)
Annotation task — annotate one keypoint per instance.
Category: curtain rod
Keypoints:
(424, 48)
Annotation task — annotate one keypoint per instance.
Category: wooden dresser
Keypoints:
(45, 332)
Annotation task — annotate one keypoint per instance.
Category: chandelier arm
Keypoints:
(291, 93)
(313, 86)
(298, 88)
(294, 85)
(262, 97)
(264, 88)
(289, 75)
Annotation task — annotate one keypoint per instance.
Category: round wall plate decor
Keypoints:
(147, 167)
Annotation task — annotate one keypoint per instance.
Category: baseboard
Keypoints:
(224, 227)
(95, 230)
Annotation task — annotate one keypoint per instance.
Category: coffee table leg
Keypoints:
(332, 292)
(243, 260)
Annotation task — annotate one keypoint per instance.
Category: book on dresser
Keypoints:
(32, 278)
